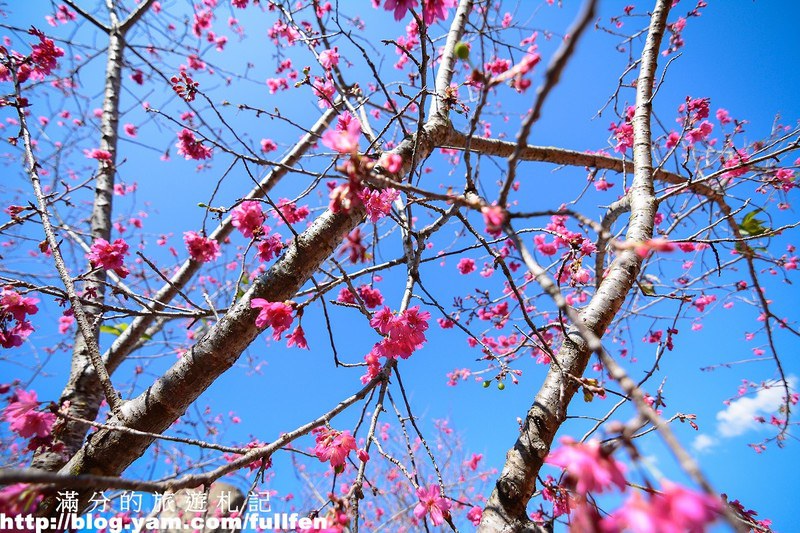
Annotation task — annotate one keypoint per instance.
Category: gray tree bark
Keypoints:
(506, 508)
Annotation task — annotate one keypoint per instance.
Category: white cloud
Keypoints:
(739, 416)
(703, 443)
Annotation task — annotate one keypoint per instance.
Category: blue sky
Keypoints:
(741, 54)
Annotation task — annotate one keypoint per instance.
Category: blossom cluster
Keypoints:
(431, 502)
(190, 147)
(403, 334)
(590, 469)
(333, 446)
(14, 311)
(371, 296)
(42, 60)
(109, 256)
(344, 139)
(277, 315)
(25, 419)
(432, 10)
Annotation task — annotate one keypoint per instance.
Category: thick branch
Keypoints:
(108, 452)
(506, 509)
(82, 390)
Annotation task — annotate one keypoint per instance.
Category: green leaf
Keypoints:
(114, 330)
(588, 395)
(752, 226)
(118, 329)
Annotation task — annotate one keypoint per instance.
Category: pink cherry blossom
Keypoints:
(354, 247)
(190, 147)
(43, 57)
(404, 333)
(602, 185)
(371, 297)
(329, 58)
(434, 10)
(473, 462)
(97, 153)
(494, 217)
(268, 145)
(546, 248)
(392, 163)
(675, 510)
(474, 515)
(18, 306)
(378, 203)
(201, 249)
(290, 212)
(432, 503)
(333, 446)
(269, 247)
(672, 140)
(109, 256)
(325, 90)
(466, 265)
(248, 218)
(343, 141)
(297, 338)
(19, 499)
(623, 133)
(14, 337)
(21, 414)
(65, 322)
(400, 7)
(278, 315)
(701, 302)
(588, 467)
(642, 249)
(699, 133)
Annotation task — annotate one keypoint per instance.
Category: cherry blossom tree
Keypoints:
(399, 205)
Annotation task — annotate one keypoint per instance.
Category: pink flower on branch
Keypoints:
(333, 446)
(392, 163)
(268, 145)
(25, 421)
(345, 140)
(433, 10)
(97, 153)
(290, 212)
(297, 338)
(494, 216)
(18, 306)
(378, 203)
(248, 218)
(109, 256)
(201, 249)
(404, 333)
(432, 503)
(278, 315)
(675, 510)
(466, 265)
(269, 247)
(329, 58)
(15, 307)
(587, 466)
(400, 7)
(190, 147)
(44, 57)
